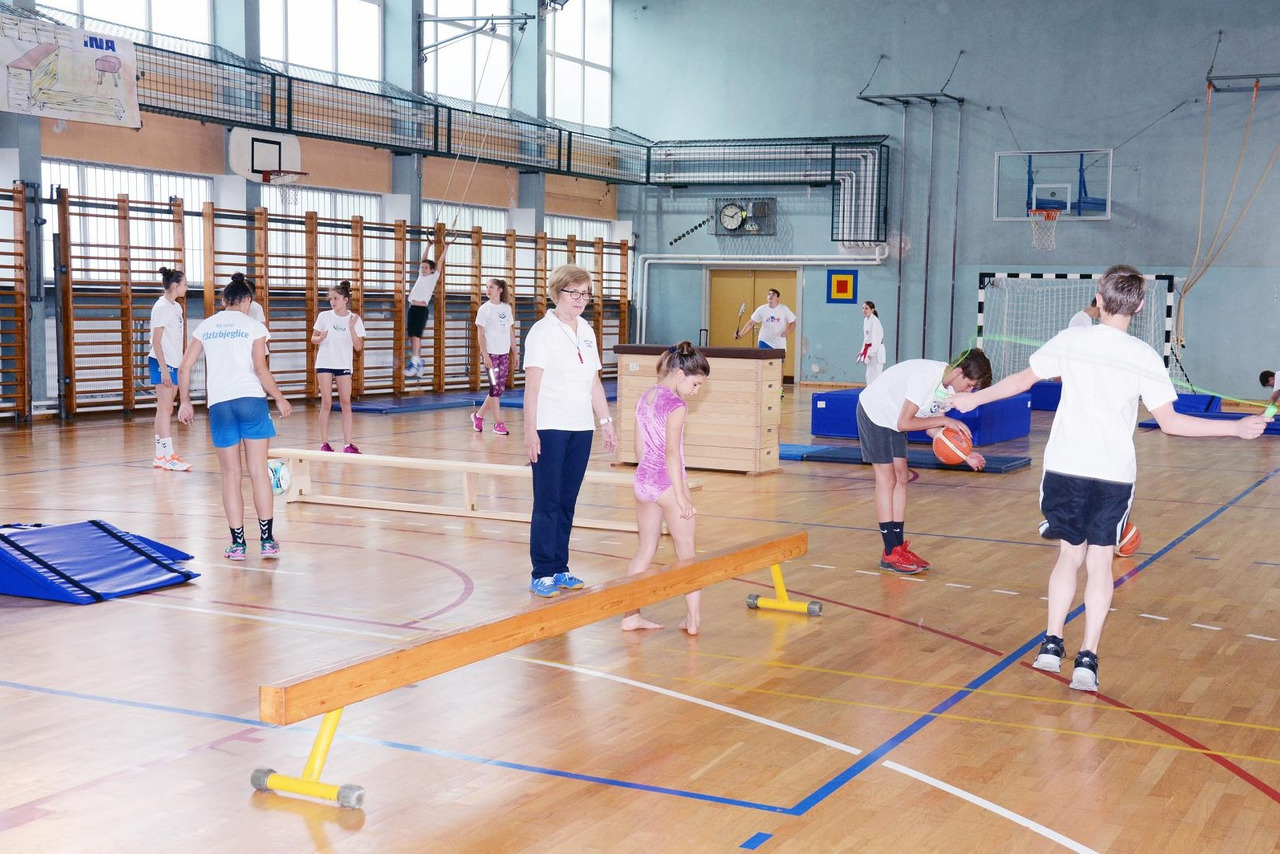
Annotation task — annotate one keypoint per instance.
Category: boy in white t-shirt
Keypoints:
(908, 397)
(776, 323)
(424, 288)
(1089, 462)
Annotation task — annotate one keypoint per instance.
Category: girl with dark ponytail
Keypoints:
(662, 492)
(162, 364)
(339, 333)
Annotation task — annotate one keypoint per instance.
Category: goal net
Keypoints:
(1017, 313)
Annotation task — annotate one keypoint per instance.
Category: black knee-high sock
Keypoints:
(264, 529)
(237, 536)
(886, 534)
(895, 528)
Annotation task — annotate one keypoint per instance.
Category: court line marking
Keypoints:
(296, 624)
(875, 755)
(1261, 638)
(1046, 832)
(1153, 617)
(973, 799)
(1007, 592)
(822, 566)
(207, 565)
(1210, 628)
(963, 586)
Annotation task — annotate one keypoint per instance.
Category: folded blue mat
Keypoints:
(1272, 429)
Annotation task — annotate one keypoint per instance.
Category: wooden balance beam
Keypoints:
(301, 489)
(327, 690)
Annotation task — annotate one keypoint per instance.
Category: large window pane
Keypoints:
(187, 20)
(599, 31)
(271, 28)
(453, 68)
(310, 35)
(130, 13)
(568, 93)
(569, 30)
(596, 98)
(359, 39)
(493, 85)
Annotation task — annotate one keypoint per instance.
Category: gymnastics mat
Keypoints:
(85, 562)
(799, 452)
(1272, 429)
(996, 463)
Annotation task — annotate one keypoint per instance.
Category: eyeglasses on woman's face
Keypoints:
(577, 296)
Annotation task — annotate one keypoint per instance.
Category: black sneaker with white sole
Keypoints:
(1085, 676)
(1052, 648)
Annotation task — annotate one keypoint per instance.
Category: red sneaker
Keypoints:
(898, 561)
(915, 558)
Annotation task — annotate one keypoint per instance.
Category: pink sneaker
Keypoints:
(327, 447)
(350, 449)
(477, 423)
(500, 428)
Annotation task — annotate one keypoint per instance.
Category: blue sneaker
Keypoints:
(567, 580)
(545, 587)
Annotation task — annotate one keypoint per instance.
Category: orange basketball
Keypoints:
(1130, 539)
(951, 446)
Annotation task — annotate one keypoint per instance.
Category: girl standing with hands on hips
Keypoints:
(872, 341)
(162, 364)
(339, 333)
(494, 324)
(661, 489)
(237, 384)
(563, 402)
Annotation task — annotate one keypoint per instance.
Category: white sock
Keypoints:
(164, 447)
(158, 452)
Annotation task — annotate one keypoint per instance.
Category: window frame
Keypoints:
(430, 74)
(333, 35)
(552, 55)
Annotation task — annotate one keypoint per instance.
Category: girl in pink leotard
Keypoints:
(660, 487)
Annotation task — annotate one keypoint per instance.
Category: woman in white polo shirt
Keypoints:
(563, 402)
(237, 383)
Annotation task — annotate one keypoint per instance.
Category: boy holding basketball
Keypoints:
(908, 397)
(1089, 462)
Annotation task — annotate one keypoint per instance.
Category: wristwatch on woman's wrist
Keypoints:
(608, 419)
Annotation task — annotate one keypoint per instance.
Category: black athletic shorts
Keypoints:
(879, 445)
(1084, 510)
(417, 319)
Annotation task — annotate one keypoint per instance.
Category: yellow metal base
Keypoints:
(783, 602)
(350, 796)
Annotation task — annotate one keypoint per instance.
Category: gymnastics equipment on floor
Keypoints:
(835, 413)
(916, 459)
(328, 690)
(303, 489)
(85, 562)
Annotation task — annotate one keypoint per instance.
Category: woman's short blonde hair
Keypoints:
(563, 276)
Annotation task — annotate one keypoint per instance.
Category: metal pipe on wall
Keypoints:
(928, 232)
(955, 234)
(902, 218)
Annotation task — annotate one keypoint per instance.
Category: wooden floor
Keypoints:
(906, 718)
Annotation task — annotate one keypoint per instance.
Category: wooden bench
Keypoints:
(302, 487)
(327, 690)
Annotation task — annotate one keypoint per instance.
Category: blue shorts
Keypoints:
(153, 366)
(761, 345)
(242, 418)
(334, 372)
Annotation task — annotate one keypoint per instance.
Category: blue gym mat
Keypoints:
(1272, 429)
(996, 463)
(798, 452)
(84, 562)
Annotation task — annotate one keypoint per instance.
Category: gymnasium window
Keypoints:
(585, 230)
(579, 63)
(327, 204)
(464, 218)
(107, 182)
(471, 69)
(343, 36)
(190, 19)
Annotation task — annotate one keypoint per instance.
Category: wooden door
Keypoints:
(732, 289)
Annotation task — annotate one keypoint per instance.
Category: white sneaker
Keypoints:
(157, 462)
(175, 463)
(412, 368)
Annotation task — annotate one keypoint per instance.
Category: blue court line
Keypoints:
(874, 756)
(756, 841)
(399, 745)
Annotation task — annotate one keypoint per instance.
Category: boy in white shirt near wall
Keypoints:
(1089, 462)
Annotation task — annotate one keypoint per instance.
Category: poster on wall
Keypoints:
(60, 73)
(842, 286)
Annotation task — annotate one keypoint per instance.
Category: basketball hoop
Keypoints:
(1043, 225)
(287, 181)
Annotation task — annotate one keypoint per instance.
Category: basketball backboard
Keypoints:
(1074, 182)
(252, 152)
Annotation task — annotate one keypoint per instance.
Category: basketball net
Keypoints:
(1043, 225)
(287, 181)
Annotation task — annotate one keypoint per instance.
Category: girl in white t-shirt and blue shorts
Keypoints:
(162, 364)
(237, 383)
(339, 333)
(495, 324)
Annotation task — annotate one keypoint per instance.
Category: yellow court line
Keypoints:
(951, 717)
(987, 692)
